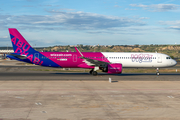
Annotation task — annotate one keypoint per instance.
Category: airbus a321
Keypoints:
(109, 62)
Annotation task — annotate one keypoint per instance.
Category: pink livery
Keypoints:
(109, 62)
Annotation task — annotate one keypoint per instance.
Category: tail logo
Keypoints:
(21, 47)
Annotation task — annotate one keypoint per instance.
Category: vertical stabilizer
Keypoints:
(20, 45)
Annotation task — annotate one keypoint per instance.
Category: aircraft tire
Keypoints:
(90, 72)
(94, 73)
(157, 73)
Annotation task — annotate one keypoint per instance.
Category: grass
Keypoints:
(124, 70)
(60, 70)
(150, 70)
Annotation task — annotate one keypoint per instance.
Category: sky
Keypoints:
(46, 23)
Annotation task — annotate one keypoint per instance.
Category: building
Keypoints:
(6, 51)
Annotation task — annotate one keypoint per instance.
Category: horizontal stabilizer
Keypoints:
(18, 56)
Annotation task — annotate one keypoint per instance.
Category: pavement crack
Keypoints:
(35, 98)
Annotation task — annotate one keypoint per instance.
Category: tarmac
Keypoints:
(52, 95)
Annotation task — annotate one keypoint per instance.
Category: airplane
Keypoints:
(109, 62)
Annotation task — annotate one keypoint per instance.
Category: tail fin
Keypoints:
(20, 45)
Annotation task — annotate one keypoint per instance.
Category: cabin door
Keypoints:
(36, 57)
(159, 58)
(74, 58)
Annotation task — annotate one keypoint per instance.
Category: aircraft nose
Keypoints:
(173, 62)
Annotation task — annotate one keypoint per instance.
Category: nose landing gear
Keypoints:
(157, 71)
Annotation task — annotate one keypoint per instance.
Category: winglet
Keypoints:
(79, 52)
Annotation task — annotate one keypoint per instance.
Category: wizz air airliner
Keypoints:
(109, 62)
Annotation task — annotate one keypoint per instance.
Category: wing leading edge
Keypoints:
(91, 62)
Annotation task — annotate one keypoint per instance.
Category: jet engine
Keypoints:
(115, 68)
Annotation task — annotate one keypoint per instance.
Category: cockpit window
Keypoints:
(168, 57)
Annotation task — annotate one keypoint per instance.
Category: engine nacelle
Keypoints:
(115, 68)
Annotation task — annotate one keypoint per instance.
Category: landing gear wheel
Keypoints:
(157, 73)
(91, 71)
(94, 73)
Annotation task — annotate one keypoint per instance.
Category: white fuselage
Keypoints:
(140, 60)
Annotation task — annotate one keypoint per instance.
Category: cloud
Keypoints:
(49, 5)
(129, 9)
(143, 18)
(66, 9)
(172, 24)
(140, 5)
(27, 6)
(175, 27)
(157, 7)
(117, 6)
(3, 36)
(177, 22)
(30, 0)
(69, 21)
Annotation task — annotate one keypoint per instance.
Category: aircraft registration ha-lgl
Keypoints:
(109, 62)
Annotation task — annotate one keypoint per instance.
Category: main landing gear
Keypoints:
(91, 71)
(94, 71)
(157, 71)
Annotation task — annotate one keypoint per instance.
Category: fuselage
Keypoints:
(127, 59)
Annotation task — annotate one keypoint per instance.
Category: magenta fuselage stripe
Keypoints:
(72, 59)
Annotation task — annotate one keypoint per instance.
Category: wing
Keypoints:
(92, 62)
